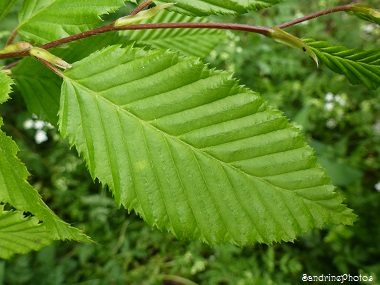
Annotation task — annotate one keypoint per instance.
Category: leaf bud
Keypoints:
(45, 55)
(285, 38)
(146, 14)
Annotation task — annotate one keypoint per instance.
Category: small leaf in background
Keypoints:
(329, 156)
(341, 174)
(39, 87)
(190, 150)
(211, 7)
(360, 67)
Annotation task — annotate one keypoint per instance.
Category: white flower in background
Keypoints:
(28, 124)
(40, 127)
(329, 97)
(377, 186)
(329, 106)
(369, 28)
(329, 101)
(331, 123)
(341, 100)
(376, 128)
(40, 136)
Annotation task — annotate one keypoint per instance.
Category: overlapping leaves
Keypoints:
(17, 192)
(20, 234)
(42, 21)
(360, 67)
(191, 151)
(209, 7)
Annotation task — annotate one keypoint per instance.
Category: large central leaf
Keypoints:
(192, 151)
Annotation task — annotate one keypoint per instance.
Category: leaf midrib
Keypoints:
(175, 138)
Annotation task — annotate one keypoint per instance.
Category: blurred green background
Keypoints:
(340, 121)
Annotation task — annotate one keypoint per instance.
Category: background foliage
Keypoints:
(341, 121)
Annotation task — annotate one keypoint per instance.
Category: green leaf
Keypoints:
(212, 7)
(20, 234)
(360, 67)
(191, 151)
(5, 86)
(5, 6)
(196, 42)
(16, 191)
(43, 21)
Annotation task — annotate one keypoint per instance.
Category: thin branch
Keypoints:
(141, 7)
(13, 64)
(315, 15)
(51, 67)
(223, 26)
(14, 54)
(12, 37)
(109, 28)
(86, 34)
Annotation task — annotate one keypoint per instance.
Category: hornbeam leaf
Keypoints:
(191, 151)
(360, 67)
(16, 191)
(43, 21)
(196, 42)
(19, 234)
(211, 7)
